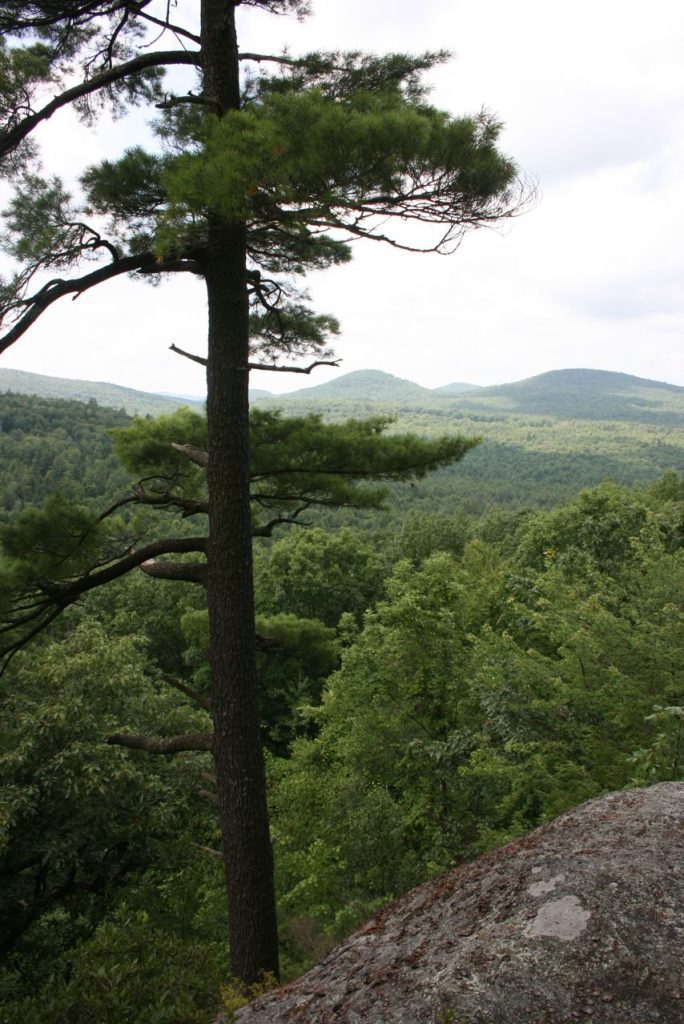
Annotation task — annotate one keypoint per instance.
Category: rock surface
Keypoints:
(581, 920)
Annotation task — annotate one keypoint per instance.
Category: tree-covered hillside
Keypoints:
(49, 445)
(543, 439)
(135, 403)
(432, 691)
(430, 686)
(585, 394)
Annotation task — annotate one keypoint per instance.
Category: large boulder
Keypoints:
(581, 920)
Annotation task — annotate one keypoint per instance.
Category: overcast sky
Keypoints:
(592, 96)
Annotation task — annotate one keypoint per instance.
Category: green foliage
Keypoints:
(482, 697)
(57, 538)
(297, 654)
(663, 760)
(81, 818)
(145, 448)
(423, 533)
(318, 575)
(48, 446)
(129, 972)
(236, 994)
(308, 149)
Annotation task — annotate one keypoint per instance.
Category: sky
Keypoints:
(592, 98)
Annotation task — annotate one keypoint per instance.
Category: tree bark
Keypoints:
(238, 755)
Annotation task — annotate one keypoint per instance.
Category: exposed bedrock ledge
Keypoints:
(581, 920)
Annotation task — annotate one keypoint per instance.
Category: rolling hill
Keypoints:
(361, 386)
(135, 403)
(585, 394)
(543, 439)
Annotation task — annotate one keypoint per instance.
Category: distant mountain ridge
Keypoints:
(575, 394)
(586, 394)
(565, 394)
(543, 439)
(362, 385)
(135, 403)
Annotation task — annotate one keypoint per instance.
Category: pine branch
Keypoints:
(196, 455)
(49, 598)
(267, 529)
(203, 702)
(11, 138)
(35, 305)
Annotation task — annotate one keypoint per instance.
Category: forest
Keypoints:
(436, 682)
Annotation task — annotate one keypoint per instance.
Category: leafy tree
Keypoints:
(320, 575)
(250, 183)
(483, 696)
(375, 802)
(128, 971)
(80, 819)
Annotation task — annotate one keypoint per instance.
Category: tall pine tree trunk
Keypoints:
(238, 751)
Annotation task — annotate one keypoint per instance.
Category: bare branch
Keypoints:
(188, 506)
(267, 529)
(178, 101)
(272, 367)
(260, 58)
(163, 744)
(212, 797)
(35, 305)
(188, 355)
(170, 27)
(181, 572)
(207, 849)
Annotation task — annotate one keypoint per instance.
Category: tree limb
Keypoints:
(163, 744)
(196, 455)
(204, 702)
(267, 529)
(35, 305)
(170, 27)
(188, 355)
(182, 572)
(12, 137)
(294, 62)
(188, 506)
(178, 101)
(272, 367)
(207, 849)
(49, 599)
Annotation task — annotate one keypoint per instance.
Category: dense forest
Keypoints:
(439, 677)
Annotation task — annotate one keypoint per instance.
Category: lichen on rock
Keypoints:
(581, 920)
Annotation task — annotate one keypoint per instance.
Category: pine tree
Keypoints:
(254, 180)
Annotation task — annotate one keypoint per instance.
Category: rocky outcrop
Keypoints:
(581, 920)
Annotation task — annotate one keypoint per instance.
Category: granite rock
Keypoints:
(581, 920)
